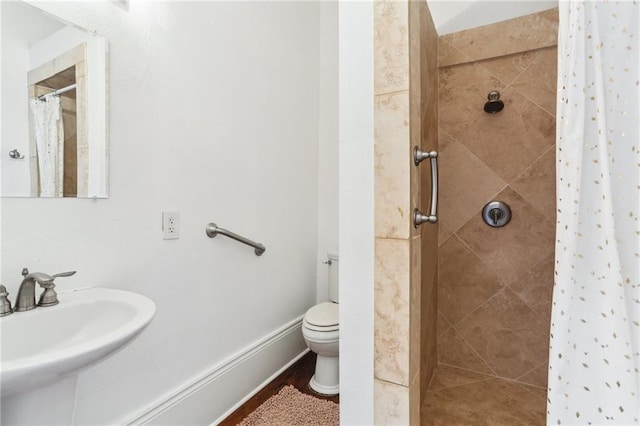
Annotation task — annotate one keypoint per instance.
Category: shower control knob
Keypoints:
(496, 214)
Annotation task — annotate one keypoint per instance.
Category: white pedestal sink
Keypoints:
(43, 349)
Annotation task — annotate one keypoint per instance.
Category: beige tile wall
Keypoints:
(70, 168)
(424, 133)
(494, 290)
(509, 37)
(392, 210)
(405, 115)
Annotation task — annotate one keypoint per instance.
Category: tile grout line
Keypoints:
(475, 213)
(393, 92)
(524, 374)
(506, 83)
(441, 243)
(509, 286)
(447, 321)
(474, 349)
(520, 75)
(389, 382)
(528, 66)
(489, 297)
(486, 379)
(469, 370)
(552, 147)
(485, 264)
(488, 265)
(530, 309)
(474, 156)
(533, 102)
(506, 287)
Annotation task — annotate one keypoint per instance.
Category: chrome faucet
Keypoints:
(26, 298)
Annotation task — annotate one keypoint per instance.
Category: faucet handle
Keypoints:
(25, 272)
(49, 297)
(64, 274)
(5, 303)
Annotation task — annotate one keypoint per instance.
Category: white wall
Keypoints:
(356, 212)
(328, 146)
(20, 28)
(214, 113)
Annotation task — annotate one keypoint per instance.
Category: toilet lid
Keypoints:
(323, 315)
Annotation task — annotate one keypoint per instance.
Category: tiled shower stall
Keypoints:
(495, 284)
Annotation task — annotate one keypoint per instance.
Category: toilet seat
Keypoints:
(322, 317)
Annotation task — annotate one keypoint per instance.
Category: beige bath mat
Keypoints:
(290, 407)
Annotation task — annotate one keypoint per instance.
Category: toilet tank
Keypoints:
(334, 267)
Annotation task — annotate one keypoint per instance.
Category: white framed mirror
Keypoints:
(54, 106)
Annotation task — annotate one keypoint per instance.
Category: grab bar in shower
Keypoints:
(432, 217)
(213, 230)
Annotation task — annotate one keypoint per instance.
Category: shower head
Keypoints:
(494, 105)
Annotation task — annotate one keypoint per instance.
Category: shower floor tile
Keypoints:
(461, 397)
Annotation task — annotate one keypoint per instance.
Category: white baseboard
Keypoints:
(221, 390)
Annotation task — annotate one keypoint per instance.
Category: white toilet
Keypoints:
(320, 329)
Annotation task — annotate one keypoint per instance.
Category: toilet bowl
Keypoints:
(320, 331)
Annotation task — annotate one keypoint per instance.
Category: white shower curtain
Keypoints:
(595, 333)
(49, 134)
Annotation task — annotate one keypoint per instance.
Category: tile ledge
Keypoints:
(496, 56)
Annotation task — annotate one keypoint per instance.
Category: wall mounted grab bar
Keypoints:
(418, 157)
(213, 231)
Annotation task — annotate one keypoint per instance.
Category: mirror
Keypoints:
(54, 106)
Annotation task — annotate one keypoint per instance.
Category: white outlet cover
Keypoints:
(170, 225)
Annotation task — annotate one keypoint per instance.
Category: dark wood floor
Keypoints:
(298, 375)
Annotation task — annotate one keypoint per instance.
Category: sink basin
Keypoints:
(45, 344)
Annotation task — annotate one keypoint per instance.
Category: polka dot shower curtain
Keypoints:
(49, 135)
(595, 333)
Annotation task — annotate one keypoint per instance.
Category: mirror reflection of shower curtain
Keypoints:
(594, 360)
(49, 134)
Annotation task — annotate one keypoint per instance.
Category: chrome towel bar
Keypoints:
(213, 231)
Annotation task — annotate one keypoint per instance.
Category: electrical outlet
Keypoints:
(170, 225)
